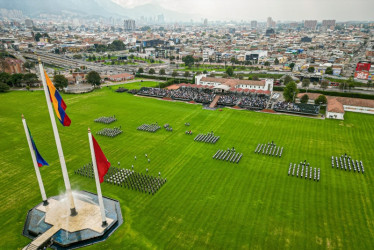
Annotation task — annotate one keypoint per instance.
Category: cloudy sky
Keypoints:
(341, 10)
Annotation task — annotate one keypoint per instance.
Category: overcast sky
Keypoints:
(341, 10)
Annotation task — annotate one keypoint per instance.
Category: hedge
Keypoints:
(332, 93)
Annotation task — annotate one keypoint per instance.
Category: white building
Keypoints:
(207, 53)
(260, 86)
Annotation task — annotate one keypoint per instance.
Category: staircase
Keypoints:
(213, 104)
(39, 241)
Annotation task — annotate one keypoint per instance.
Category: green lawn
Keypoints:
(137, 85)
(205, 204)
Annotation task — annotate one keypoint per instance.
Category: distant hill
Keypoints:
(105, 8)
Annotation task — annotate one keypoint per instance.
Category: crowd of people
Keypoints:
(345, 161)
(229, 155)
(269, 149)
(126, 178)
(149, 127)
(300, 169)
(208, 138)
(106, 120)
(157, 92)
(297, 108)
(110, 132)
(229, 100)
(193, 94)
(254, 102)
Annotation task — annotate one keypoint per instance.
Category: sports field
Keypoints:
(206, 203)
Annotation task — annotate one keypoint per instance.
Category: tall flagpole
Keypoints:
(69, 193)
(98, 187)
(38, 176)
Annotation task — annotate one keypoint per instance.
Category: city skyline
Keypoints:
(185, 11)
(285, 10)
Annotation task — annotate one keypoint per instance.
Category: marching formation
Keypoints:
(208, 138)
(110, 132)
(126, 178)
(229, 155)
(106, 120)
(149, 127)
(346, 160)
(300, 171)
(269, 149)
(168, 127)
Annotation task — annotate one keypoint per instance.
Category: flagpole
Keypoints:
(69, 193)
(37, 171)
(98, 187)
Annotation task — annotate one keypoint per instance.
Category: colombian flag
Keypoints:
(39, 159)
(58, 104)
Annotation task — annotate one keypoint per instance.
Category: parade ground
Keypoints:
(204, 203)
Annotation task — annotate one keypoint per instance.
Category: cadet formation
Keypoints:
(269, 149)
(229, 155)
(110, 132)
(208, 138)
(106, 120)
(126, 178)
(149, 127)
(167, 127)
(345, 161)
(299, 171)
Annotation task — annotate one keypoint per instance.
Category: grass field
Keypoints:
(205, 204)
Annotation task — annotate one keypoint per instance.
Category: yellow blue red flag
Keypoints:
(57, 102)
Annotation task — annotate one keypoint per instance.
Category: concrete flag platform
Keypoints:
(52, 225)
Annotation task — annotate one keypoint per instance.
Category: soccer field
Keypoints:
(205, 203)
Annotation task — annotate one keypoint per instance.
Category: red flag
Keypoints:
(101, 161)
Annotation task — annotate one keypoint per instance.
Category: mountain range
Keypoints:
(104, 8)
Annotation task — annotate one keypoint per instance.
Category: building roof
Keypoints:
(335, 106)
(120, 75)
(233, 82)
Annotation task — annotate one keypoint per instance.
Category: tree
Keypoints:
(60, 81)
(186, 74)
(93, 78)
(328, 71)
(230, 71)
(321, 100)
(38, 36)
(290, 91)
(287, 79)
(206, 72)
(4, 77)
(311, 69)
(29, 65)
(304, 99)
(240, 77)
(30, 78)
(162, 72)
(324, 84)
(255, 78)
(276, 61)
(15, 79)
(188, 61)
(305, 83)
(174, 74)
(267, 64)
(292, 65)
(4, 87)
(140, 70)
(117, 45)
(151, 71)
(77, 56)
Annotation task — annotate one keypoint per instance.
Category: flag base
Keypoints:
(73, 212)
(51, 226)
(45, 203)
